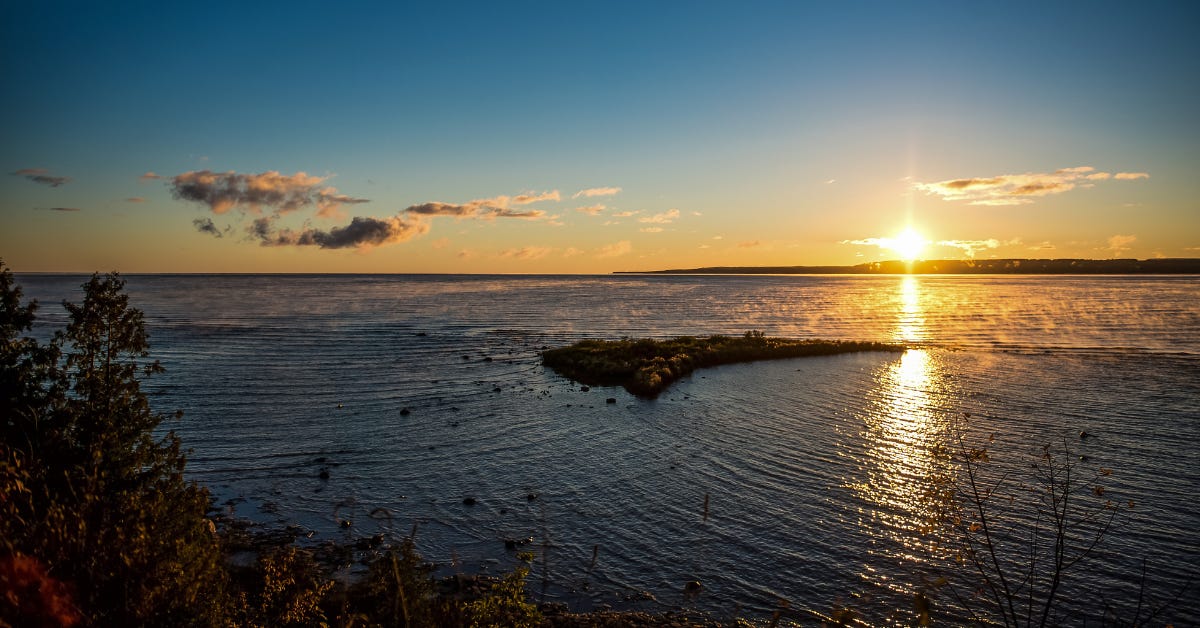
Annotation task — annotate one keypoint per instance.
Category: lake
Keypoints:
(811, 481)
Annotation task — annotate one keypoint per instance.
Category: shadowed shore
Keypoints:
(647, 367)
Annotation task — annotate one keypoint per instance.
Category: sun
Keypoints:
(908, 244)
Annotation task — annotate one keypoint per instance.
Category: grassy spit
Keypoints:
(646, 367)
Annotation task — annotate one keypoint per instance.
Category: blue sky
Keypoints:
(779, 133)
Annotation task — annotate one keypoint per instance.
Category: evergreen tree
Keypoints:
(90, 489)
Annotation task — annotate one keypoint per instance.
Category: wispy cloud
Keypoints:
(527, 252)
(651, 229)
(616, 249)
(362, 233)
(1019, 189)
(590, 192)
(971, 247)
(1118, 244)
(591, 210)
(525, 199)
(59, 209)
(43, 176)
(135, 199)
(749, 244)
(487, 208)
(329, 202)
(666, 217)
(625, 214)
(151, 176)
(223, 191)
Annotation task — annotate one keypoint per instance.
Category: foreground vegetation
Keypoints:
(647, 367)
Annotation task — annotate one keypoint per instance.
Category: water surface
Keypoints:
(817, 471)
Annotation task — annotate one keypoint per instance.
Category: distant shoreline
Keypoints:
(1168, 266)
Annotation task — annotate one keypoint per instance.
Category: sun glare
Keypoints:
(908, 244)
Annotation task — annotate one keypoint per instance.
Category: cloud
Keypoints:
(666, 217)
(616, 249)
(486, 209)
(1118, 244)
(591, 210)
(525, 199)
(150, 176)
(532, 214)
(590, 192)
(651, 229)
(222, 191)
(466, 254)
(205, 225)
(572, 252)
(749, 244)
(624, 214)
(135, 199)
(527, 252)
(43, 176)
(60, 209)
(362, 233)
(1045, 245)
(1019, 189)
(970, 247)
(439, 244)
(329, 202)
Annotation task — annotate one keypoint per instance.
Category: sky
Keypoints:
(590, 137)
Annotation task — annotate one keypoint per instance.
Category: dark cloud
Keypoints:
(205, 225)
(361, 233)
(442, 209)
(43, 176)
(60, 209)
(487, 208)
(512, 213)
(222, 191)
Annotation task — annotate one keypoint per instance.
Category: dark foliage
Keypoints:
(88, 490)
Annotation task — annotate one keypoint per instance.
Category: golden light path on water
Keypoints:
(905, 432)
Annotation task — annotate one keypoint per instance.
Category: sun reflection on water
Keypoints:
(901, 482)
(910, 316)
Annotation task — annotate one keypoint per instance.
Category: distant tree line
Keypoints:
(1167, 266)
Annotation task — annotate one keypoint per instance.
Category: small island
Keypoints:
(646, 367)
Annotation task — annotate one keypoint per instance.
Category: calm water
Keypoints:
(817, 471)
